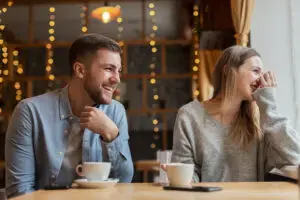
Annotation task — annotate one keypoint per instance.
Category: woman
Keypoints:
(237, 135)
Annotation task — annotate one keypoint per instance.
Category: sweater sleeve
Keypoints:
(182, 149)
(282, 141)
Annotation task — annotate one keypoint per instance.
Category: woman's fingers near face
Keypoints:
(274, 78)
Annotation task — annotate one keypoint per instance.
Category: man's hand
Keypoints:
(98, 122)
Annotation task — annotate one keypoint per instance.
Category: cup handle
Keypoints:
(79, 170)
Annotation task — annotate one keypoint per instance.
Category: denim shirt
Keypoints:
(37, 138)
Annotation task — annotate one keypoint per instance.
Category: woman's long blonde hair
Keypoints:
(246, 127)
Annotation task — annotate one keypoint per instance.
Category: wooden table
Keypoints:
(147, 191)
(145, 166)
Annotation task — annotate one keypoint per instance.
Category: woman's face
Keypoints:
(248, 76)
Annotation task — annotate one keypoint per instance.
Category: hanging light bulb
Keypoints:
(106, 13)
(106, 17)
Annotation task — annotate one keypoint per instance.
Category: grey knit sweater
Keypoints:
(202, 140)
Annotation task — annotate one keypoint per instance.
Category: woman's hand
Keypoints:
(267, 80)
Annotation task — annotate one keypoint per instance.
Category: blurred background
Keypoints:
(169, 51)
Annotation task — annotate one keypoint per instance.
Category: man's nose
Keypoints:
(115, 78)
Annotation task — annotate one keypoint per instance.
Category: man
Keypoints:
(50, 134)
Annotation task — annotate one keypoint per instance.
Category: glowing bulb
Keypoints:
(20, 70)
(1, 41)
(196, 53)
(10, 3)
(121, 43)
(84, 29)
(152, 80)
(152, 66)
(4, 49)
(196, 13)
(119, 20)
(51, 31)
(17, 85)
(156, 97)
(15, 53)
(4, 10)
(5, 54)
(152, 42)
(4, 60)
(155, 28)
(151, 5)
(1, 79)
(105, 17)
(15, 62)
(154, 49)
(18, 98)
(152, 13)
(48, 68)
(196, 93)
(51, 77)
(155, 121)
(2, 27)
(197, 61)
(153, 146)
(195, 68)
(51, 23)
(5, 72)
(52, 9)
(156, 129)
(51, 38)
(50, 61)
(19, 92)
(48, 46)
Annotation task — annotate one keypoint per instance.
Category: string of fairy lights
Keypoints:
(83, 16)
(196, 55)
(121, 43)
(19, 70)
(49, 47)
(153, 81)
(4, 51)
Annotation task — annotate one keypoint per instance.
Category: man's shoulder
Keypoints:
(45, 100)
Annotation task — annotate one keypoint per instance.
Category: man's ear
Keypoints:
(79, 69)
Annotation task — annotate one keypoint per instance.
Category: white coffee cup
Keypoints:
(180, 174)
(94, 171)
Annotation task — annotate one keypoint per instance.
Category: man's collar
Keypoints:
(65, 110)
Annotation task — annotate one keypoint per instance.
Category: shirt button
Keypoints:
(62, 116)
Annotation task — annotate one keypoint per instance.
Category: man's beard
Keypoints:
(96, 96)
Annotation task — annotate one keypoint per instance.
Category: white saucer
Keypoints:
(84, 183)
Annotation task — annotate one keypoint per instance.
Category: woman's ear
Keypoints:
(79, 69)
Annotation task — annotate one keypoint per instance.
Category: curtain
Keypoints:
(241, 12)
(208, 59)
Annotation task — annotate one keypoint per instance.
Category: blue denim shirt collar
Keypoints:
(65, 110)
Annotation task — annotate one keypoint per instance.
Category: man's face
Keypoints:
(102, 76)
